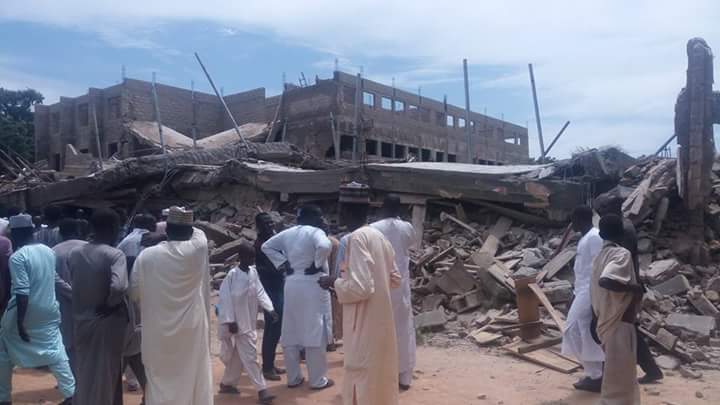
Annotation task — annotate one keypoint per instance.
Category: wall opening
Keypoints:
(414, 152)
(85, 150)
(400, 151)
(386, 150)
(399, 106)
(55, 122)
(114, 107)
(386, 103)
(452, 158)
(348, 95)
(113, 148)
(440, 119)
(371, 147)
(368, 99)
(439, 157)
(57, 160)
(461, 122)
(426, 155)
(346, 143)
(450, 120)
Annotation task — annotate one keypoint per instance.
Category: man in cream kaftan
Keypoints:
(171, 283)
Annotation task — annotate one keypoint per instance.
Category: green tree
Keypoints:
(16, 120)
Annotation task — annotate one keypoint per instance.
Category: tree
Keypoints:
(16, 120)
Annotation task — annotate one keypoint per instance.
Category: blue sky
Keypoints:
(613, 68)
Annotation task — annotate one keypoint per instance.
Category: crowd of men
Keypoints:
(74, 291)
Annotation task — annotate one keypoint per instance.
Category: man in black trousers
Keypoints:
(273, 281)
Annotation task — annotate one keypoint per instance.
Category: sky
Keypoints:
(613, 67)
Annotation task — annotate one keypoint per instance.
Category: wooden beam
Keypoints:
(418, 222)
(559, 321)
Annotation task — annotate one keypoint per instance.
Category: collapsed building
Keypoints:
(345, 116)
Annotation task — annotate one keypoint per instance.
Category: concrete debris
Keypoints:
(432, 320)
(668, 362)
(676, 285)
(699, 325)
(661, 270)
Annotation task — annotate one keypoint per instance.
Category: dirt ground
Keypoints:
(443, 376)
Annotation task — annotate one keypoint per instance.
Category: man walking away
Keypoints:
(30, 329)
(171, 283)
(303, 250)
(100, 284)
(367, 275)
(50, 235)
(645, 359)
(577, 338)
(616, 295)
(5, 285)
(240, 294)
(70, 234)
(402, 238)
(274, 282)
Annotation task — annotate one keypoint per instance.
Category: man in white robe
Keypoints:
(577, 338)
(240, 293)
(616, 294)
(401, 236)
(303, 252)
(171, 283)
(363, 288)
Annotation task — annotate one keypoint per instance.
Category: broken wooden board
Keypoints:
(482, 338)
(537, 344)
(556, 264)
(555, 315)
(544, 357)
(486, 254)
(456, 280)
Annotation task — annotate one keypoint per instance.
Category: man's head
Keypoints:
(353, 216)
(52, 215)
(611, 228)
(106, 226)
(612, 206)
(179, 224)
(146, 222)
(12, 211)
(391, 206)
(264, 224)
(582, 219)
(246, 255)
(22, 230)
(310, 215)
(69, 229)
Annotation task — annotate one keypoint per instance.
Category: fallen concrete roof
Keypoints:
(252, 132)
(461, 167)
(147, 133)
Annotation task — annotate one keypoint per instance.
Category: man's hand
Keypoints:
(285, 268)
(326, 282)
(274, 316)
(312, 270)
(232, 327)
(23, 334)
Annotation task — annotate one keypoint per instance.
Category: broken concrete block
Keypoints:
(645, 260)
(532, 258)
(558, 291)
(668, 362)
(432, 320)
(697, 324)
(421, 285)
(466, 302)
(713, 296)
(702, 304)
(482, 338)
(676, 285)
(455, 281)
(644, 245)
(432, 302)
(714, 284)
(216, 233)
(662, 270)
(219, 255)
(666, 339)
(687, 372)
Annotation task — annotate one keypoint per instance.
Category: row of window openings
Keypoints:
(389, 150)
(83, 114)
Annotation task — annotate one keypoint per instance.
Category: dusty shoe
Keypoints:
(133, 386)
(228, 389)
(279, 370)
(404, 387)
(67, 401)
(271, 375)
(650, 378)
(264, 397)
(589, 384)
(297, 384)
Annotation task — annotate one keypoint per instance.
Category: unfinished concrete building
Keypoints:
(354, 117)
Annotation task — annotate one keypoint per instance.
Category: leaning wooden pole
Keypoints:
(222, 101)
(97, 136)
(156, 104)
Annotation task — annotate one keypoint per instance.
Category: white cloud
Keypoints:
(14, 77)
(612, 67)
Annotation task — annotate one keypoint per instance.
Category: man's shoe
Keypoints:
(404, 387)
(302, 380)
(271, 375)
(265, 398)
(279, 370)
(67, 401)
(228, 389)
(589, 384)
(332, 347)
(328, 384)
(650, 378)
(133, 386)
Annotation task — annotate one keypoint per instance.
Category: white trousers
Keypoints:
(315, 359)
(593, 369)
(244, 357)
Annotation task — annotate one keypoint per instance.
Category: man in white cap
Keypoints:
(171, 282)
(303, 251)
(30, 328)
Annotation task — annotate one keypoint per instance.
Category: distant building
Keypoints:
(391, 123)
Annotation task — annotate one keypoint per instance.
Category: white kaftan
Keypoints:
(368, 274)
(401, 236)
(577, 339)
(171, 282)
(240, 294)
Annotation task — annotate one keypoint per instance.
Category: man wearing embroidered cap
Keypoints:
(171, 282)
(30, 328)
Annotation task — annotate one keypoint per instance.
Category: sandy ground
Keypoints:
(443, 376)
